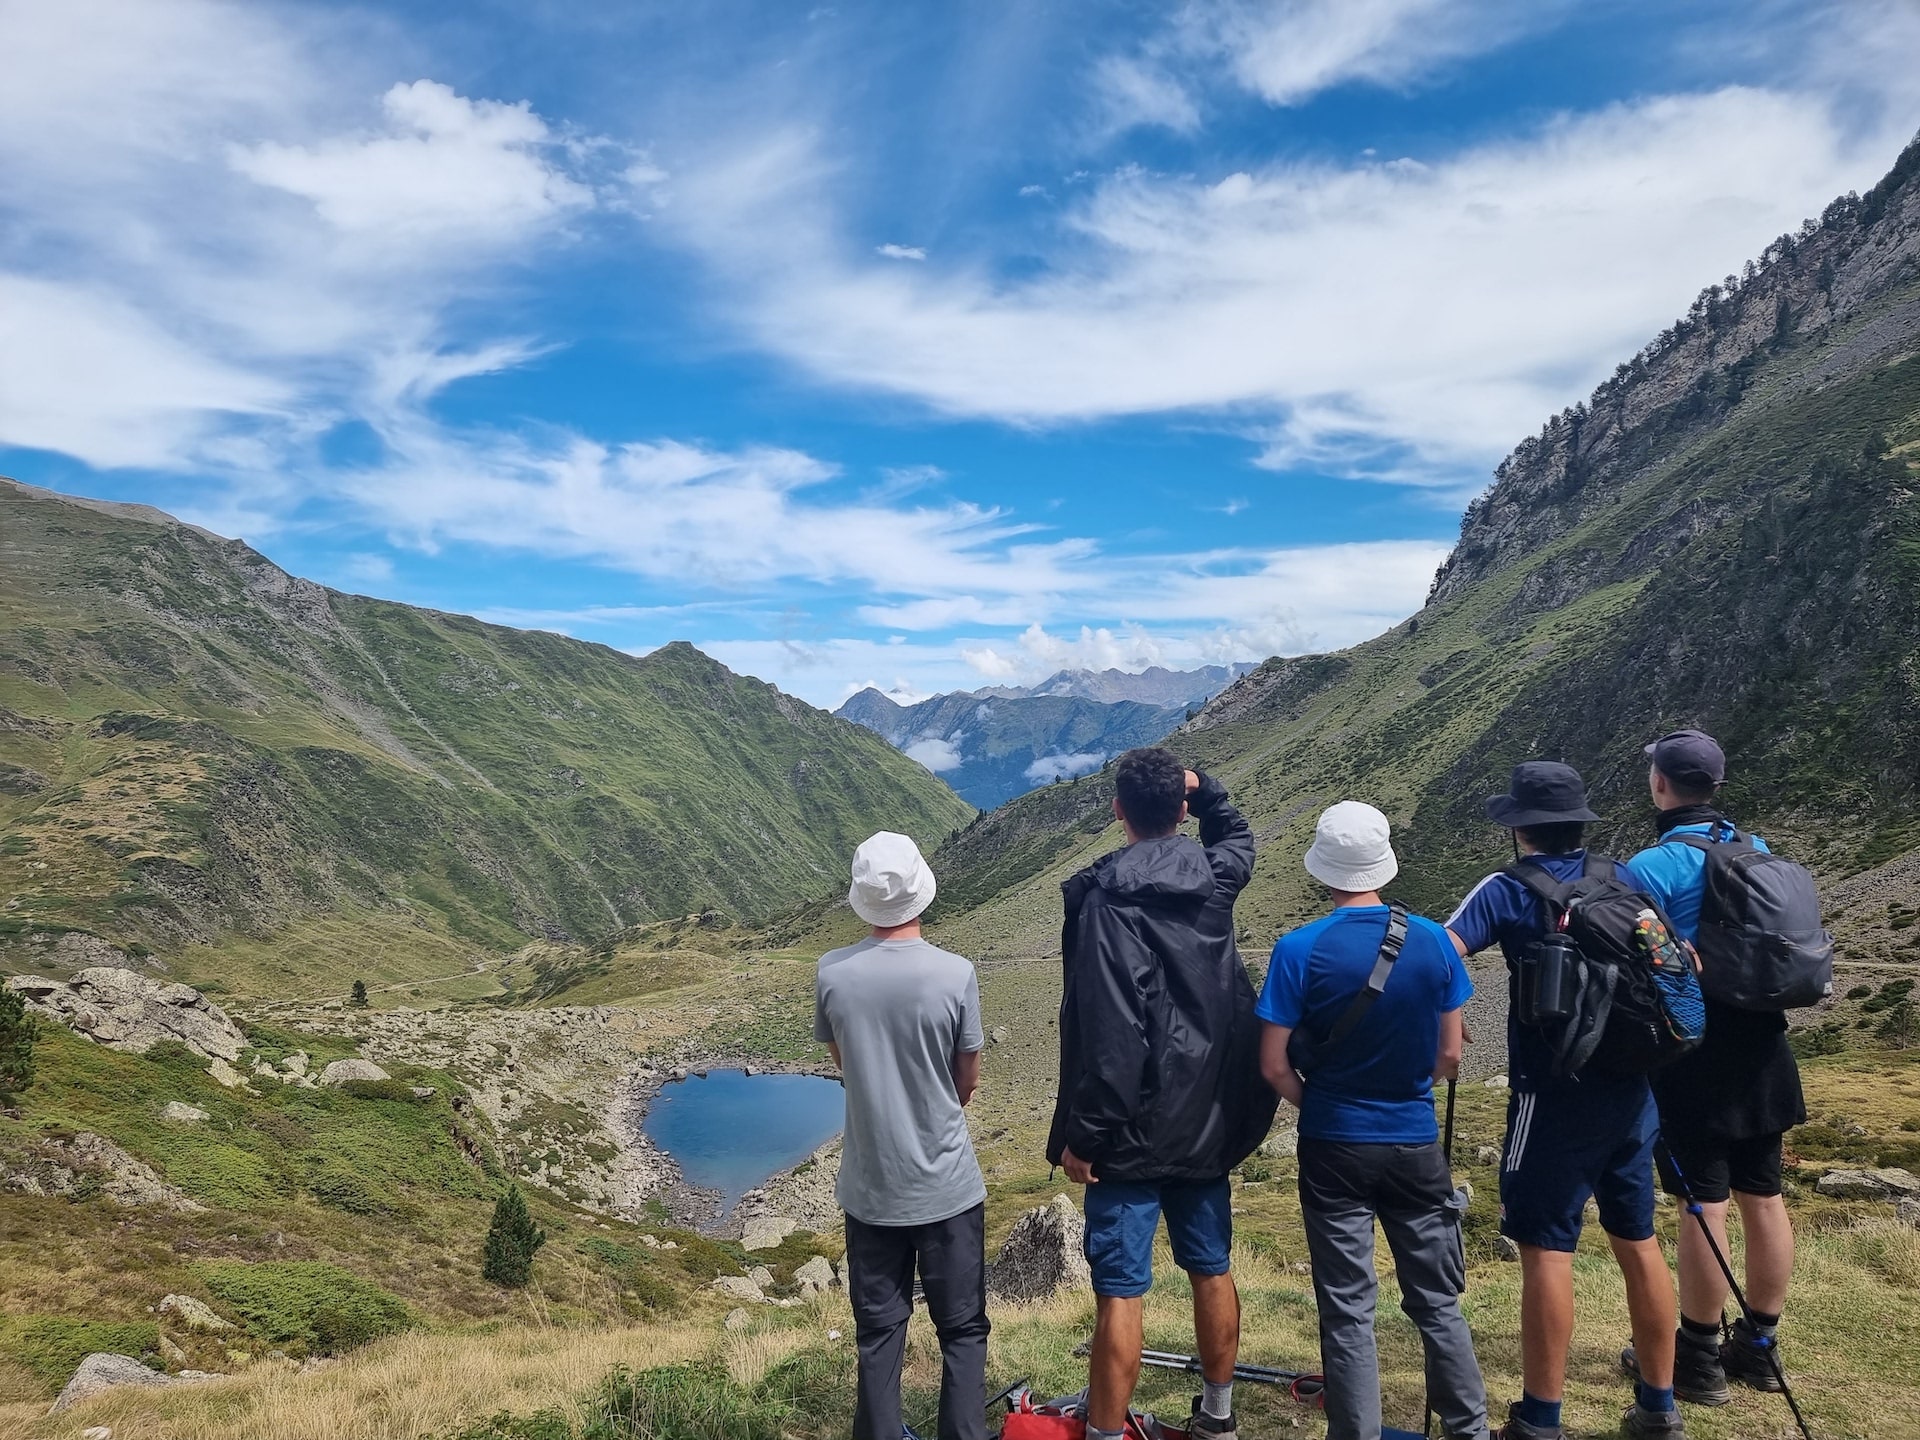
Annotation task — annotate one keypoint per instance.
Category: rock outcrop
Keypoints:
(101, 1371)
(1044, 1253)
(763, 1232)
(90, 1164)
(193, 1313)
(1888, 1185)
(345, 1072)
(126, 1011)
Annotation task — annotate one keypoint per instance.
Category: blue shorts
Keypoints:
(1122, 1216)
(1562, 1147)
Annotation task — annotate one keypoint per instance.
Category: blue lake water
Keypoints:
(731, 1131)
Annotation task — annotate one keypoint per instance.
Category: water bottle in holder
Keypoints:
(1552, 958)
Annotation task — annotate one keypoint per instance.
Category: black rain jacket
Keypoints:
(1159, 1046)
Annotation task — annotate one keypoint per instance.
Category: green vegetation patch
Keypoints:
(306, 1304)
(52, 1346)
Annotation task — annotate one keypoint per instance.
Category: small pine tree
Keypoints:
(511, 1241)
(360, 994)
(17, 1032)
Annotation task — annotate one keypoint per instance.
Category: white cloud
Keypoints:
(1049, 768)
(900, 252)
(1414, 317)
(1131, 90)
(936, 754)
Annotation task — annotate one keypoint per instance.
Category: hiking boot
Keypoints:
(1518, 1429)
(1640, 1421)
(1202, 1426)
(1744, 1357)
(1697, 1376)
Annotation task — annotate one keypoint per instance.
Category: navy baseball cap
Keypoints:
(1691, 758)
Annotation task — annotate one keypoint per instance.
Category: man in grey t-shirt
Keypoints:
(903, 1021)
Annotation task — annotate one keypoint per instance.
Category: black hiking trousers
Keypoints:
(951, 1256)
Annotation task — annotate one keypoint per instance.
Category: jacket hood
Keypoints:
(1173, 867)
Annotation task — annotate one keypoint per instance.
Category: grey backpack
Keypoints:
(1762, 945)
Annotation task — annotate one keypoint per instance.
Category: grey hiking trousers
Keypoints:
(1343, 1187)
(951, 1256)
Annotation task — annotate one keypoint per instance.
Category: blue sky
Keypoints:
(916, 344)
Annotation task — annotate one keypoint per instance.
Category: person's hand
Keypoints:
(1193, 781)
(1079, 1171)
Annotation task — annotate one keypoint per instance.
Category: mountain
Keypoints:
(1156, 685)
(1726, 534)
(264, 781)
(993, 744)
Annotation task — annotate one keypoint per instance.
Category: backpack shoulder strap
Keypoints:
(1602, 867)
(1376, 982)
(1537, 880)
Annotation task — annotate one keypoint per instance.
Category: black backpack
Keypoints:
(1620, 992)
(1762, 945)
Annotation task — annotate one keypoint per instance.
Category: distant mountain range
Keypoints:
(201, 755)
(993, 744)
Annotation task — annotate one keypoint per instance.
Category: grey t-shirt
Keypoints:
(899, 1010)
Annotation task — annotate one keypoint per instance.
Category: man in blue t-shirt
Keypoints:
(1723, 1107)
(1569, 1138)
(1368, 1143)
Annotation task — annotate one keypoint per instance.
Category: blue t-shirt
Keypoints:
(1377, 1088)
(1676, 874)
(1502, 910)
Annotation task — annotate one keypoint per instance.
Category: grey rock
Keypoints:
(1000, 1035)
(1907, 1212)
(1496, 1082)
(816, 1274)
(342, 1072)
(101, 1371)
(221, 1071)
(1505, 1248)
(1043, 1254)
(56, 1168)
(737, 1320)
(423, 1092)
(1869, 1185)
(97, 1432)
(763, 1232)
(1281, 1144)
(184, 1113)
(1486, 1155)
(127, 1011)
(194, 1314)
(761, 1276)
(739, 1287)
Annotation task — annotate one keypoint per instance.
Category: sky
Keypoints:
(927, 346)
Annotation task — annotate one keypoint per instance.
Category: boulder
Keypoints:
(296, 1063)
(127, 1011)
(816, 1274)
(739, 1287)
(1496, 1082)
(423, 1092)
(1869, 1185)
(1000, 1035)
(1044, 1253)
(1505, 1248)
(342, 1072)
(221, 1071)
(101, 1371)
(763, 1232)
(97, 1432)
(737, 1320)
(1281, 1144)
(194, 1314)
(1907, 1212)
(761, 1276)
(184, 1113)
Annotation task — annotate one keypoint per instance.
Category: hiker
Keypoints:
(1160, 1087)
(1724, 1107)
(1369, 1146)
(902, 1019)
(1569, 1136)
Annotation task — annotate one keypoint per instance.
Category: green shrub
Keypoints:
(512, 1239)
(346, 1190)
(18, 1031)
(1826, 1039)
(383, 1090)
(807, 1393)
(541, 1425)
(1255, 1168)
(52, 1346)
(306, 1303)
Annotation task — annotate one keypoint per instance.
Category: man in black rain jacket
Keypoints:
(1160, 1086)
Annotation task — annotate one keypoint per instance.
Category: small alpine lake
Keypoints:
(731, 1131)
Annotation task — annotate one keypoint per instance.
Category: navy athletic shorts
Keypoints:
(1123, 1216)
(1563, 1147)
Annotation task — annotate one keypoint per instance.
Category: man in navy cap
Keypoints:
(1723, 1107)
(1568, 1137)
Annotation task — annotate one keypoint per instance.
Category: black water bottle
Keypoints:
(1554, 958)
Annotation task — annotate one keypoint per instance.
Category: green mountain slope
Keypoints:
(197, 749)
(1727, 534)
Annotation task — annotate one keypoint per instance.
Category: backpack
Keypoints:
(1629, 997)
(1761, 942)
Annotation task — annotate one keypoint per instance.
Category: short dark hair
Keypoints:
(1151, 785)
(1562, 837)
(1686, 794)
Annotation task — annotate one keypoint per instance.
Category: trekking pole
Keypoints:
(1766, 1342)
(1426, 1426)
(1304, 1386)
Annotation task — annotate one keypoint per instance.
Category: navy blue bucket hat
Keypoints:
(1542, 792)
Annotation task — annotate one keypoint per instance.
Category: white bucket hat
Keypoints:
(1350, 848)
(891, 882)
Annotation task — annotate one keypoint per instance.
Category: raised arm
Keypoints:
(1223, 830)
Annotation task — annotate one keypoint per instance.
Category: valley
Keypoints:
(566, 877)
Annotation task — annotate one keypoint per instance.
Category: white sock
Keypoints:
(1216, 1400)
(1094, 1432)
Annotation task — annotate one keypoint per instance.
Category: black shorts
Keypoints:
(1714, 1168)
